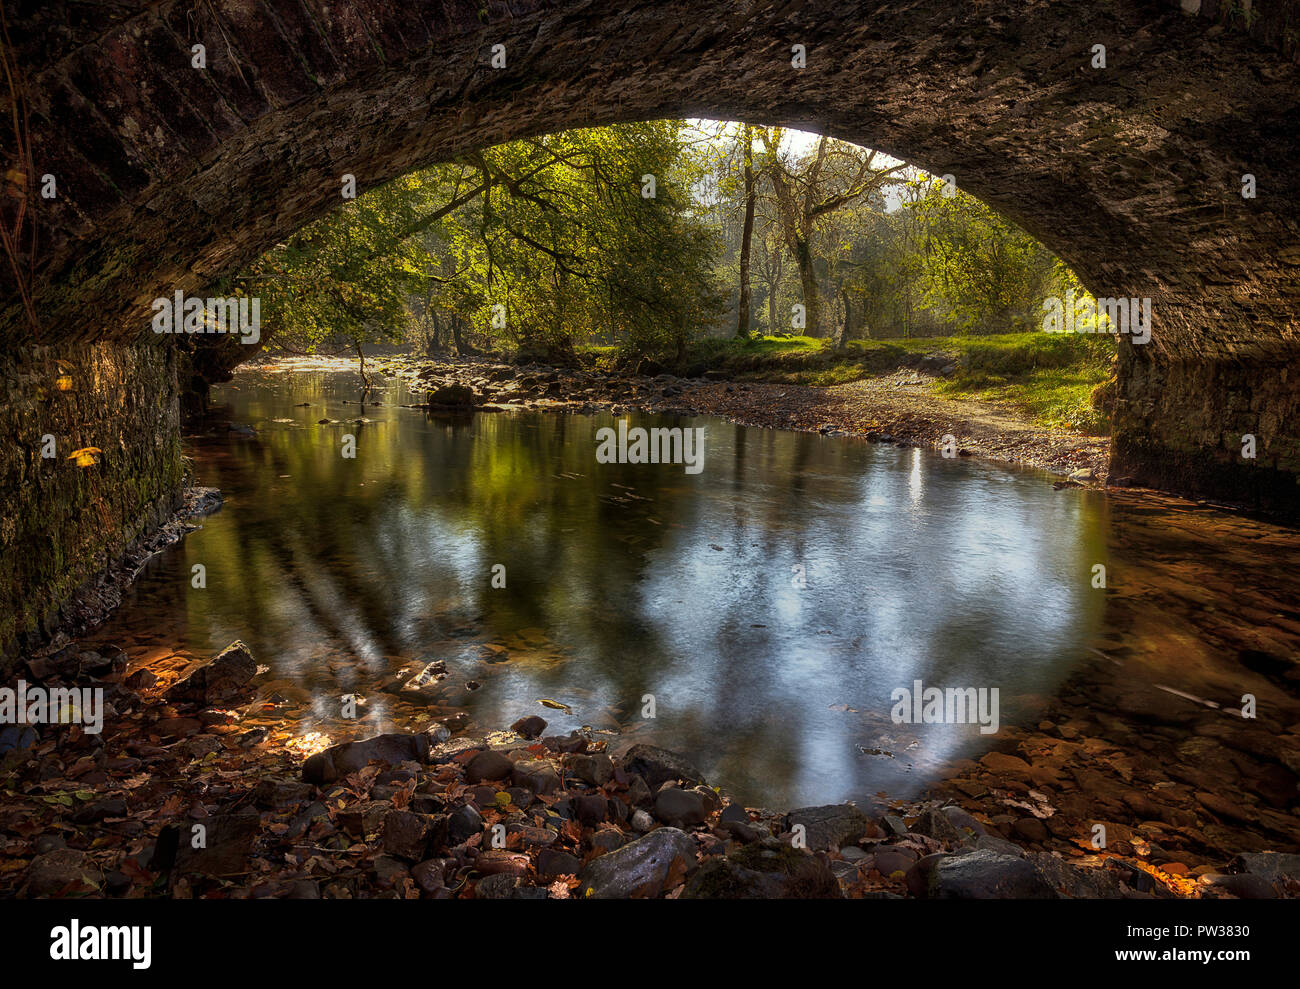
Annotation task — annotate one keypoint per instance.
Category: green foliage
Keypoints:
(540, 245)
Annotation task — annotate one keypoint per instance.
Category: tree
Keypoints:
(836, 175)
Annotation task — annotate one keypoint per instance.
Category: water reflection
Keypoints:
(769, 605)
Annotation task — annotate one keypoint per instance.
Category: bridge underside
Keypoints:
(170, 176)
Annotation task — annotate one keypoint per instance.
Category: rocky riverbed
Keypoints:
(176, 798)
(898, 408)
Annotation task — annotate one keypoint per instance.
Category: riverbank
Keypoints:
(898, 408)
(175, 798)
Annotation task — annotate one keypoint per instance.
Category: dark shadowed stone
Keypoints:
(501, 886)
(552, 862)
(62, 872)
(93, 813)
(1245, 885)
(573, 742)
(966, 825)
(463, 823)
(596, 769)
(639, 793)
(406, 835)
(303, 889)
(431, 874)
(591, 809)
(1075, 882)
(977, 875)
(640, 869)
(608, 839)
(992, 843)
(659, 765)
(888, 861)
(360, 820)
(1031, 829)
(829, 827)
(451, 396)
(536, 775)
(680, 808)
(488, 765)
(770, 870)
(281, 794)
(529, 727)
(1273, 866)
(229, 844)
(222, 678)
(937, 825)
(340, 760)
(388, 871)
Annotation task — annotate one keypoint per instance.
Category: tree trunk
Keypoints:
(456, 335)
(742, 318)
(365, 378)
(808, 280)
(846, 327)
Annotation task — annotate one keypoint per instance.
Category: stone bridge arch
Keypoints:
(169, 176)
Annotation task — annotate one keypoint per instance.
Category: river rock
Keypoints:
(680, 808)
(488, 765)
(221, 679)
(771, 871)
(340, 760)
(406, 835)
(937, 825)
(552, 862)
(1244, 885)
(281, 794)
(977, 875)
(1273, 866)
(1075, 882)
(463, 823)
(830, 826)
(61, 872)
(640, 869)
(659, 765)
(451, 396)
(530, 727)
(228, 845)
(596, 769)
(536, 775)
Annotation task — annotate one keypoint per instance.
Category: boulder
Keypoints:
(659, 765)
(406, 835)
(680, 808)
(1273, 866)
(977, 875)
(535, 775)
(451, 396)
(488, 765)
(596, 769)
(641, 869)
(221, 679)
(339, 760)
(62, 872)
(769, 871)
(529, 727)
(830, 826)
